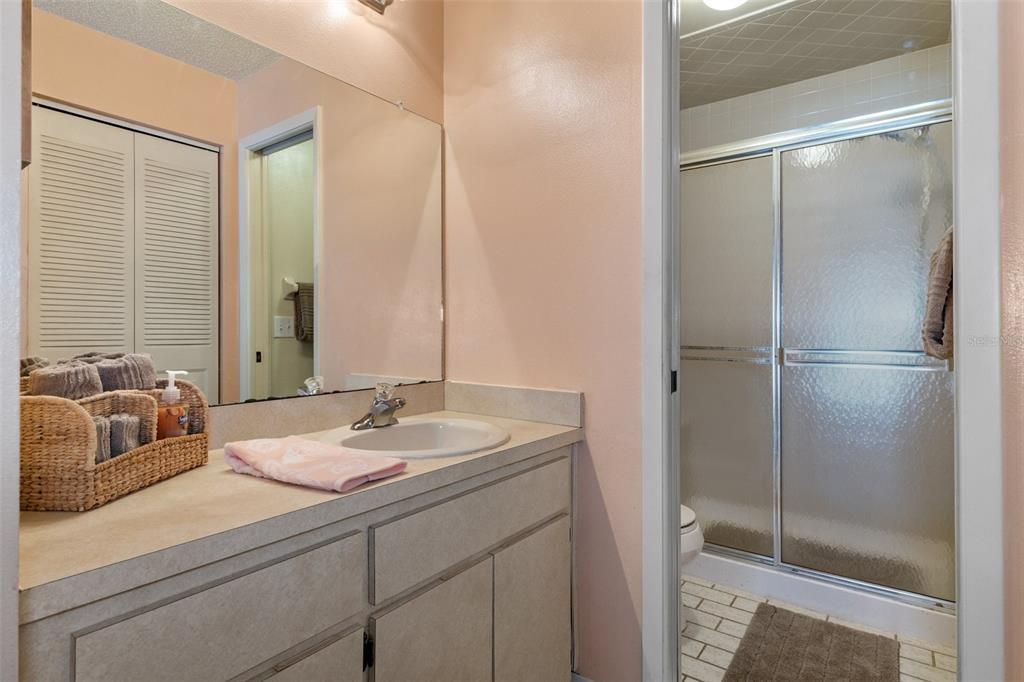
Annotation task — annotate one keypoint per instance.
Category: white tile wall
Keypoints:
(913, 78)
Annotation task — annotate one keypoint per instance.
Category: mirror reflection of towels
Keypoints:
(304, 312)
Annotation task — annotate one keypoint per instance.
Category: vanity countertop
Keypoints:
(64, 556)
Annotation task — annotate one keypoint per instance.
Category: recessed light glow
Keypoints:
(338, 9)
(724, 5)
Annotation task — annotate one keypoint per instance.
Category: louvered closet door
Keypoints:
(176, 254)
(80, 237)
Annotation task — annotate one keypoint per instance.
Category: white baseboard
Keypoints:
(855, 606)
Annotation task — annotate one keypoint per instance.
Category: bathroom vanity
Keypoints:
(458, 569)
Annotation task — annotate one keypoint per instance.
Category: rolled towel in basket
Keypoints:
(95, 356)
(132, 371)
(31, 363)
(102, 438)
(73, 380)
(124, 433)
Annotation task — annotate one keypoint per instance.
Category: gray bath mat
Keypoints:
(782, 645)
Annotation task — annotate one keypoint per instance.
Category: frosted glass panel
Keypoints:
(867, 475)
(726, 242)
(726, 448)
(860, 219)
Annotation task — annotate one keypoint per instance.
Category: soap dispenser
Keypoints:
(172, 413)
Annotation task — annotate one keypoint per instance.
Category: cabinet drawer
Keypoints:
(222, 631)
(340, 661)
(413, 548)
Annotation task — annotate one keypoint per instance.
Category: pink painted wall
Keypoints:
(397, 56)
(1011, 45)
(381, 260)
(92, 70)
(543, 262)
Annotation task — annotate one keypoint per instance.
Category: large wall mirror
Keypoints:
(225, 209)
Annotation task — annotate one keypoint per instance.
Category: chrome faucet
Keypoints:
(382, 409)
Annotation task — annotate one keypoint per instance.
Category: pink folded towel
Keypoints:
(308, 462)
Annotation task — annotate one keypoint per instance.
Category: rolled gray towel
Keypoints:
(31, 363)
(95, 356)
(70, 380)
(124, 433)
(132, 371)
(102, 438)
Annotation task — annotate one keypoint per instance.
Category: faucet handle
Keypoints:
(385, 391)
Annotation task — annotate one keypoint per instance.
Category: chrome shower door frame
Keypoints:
(775, 145)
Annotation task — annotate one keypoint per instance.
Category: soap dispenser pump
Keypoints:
(172, 413)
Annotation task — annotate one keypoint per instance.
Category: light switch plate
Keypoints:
(284, 326)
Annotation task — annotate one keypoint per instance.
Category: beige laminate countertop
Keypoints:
(63, 555)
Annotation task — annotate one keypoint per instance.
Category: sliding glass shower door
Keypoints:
(867, 419)
(815, 433)
(726, 367)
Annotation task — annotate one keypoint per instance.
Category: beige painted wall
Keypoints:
(94, 71)
(1011, 45)
(543, 261)
(397, 56)
(381, 273)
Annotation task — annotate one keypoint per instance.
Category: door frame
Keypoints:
(11, 15)
(249, 222)
(659, 399)
(979, 498)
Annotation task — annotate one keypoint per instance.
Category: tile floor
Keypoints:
(717, 616)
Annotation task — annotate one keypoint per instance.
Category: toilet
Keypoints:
(691, 541)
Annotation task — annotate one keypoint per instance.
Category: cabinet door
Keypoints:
(340, 661)
(532, 627)
(443, 634)
(81, 237)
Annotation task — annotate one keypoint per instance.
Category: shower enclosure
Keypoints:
(816, 435)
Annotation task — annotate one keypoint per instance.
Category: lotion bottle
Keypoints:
(172, 412)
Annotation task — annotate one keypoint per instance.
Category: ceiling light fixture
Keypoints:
(724, 5)
(379, 6)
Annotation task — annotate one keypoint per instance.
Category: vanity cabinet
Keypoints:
(465, 581)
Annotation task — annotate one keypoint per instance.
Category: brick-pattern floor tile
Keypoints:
(708, 593)
(716, 656)
(732, 628)
(916, 653)
(690, 647)
(728, 612)
(701, 670)
(745, 604)
(925, 672)
(945, 662)
(712, 637)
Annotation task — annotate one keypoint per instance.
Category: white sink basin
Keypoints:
(421, 437)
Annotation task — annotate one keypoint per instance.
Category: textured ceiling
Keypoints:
(803, 39)
(157, 26)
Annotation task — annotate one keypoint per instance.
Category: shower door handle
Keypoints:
(897, 359)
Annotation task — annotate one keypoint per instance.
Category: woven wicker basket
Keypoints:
(58, 448)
